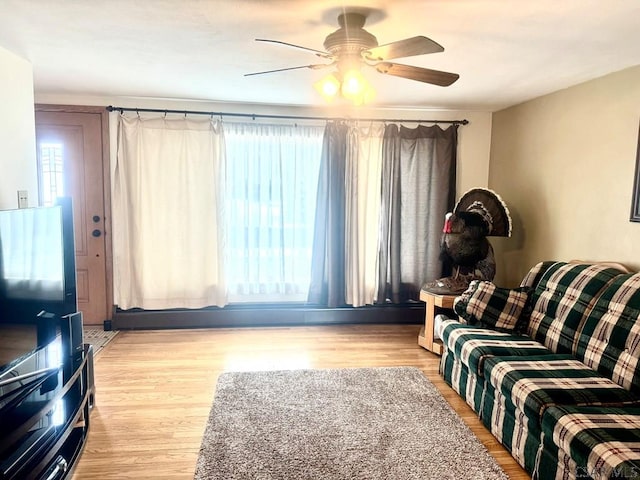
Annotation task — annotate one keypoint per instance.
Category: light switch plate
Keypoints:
(23, 198)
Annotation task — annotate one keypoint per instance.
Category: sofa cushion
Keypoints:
(565, 293)
(533, 276)
(538, 382)
(609, 341)
(472, 345)
(604, 442)
(487, 305)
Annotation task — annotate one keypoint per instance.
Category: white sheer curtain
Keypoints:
(168, 194)
(362, 205)
(271, 178)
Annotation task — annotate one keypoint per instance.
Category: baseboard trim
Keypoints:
(265, 316)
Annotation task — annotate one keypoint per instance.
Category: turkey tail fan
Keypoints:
(488, 204)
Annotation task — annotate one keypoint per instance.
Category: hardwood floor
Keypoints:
(155, 388)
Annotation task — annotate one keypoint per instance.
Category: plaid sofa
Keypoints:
(563, 393)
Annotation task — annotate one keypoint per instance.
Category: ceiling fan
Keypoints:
(351, 46)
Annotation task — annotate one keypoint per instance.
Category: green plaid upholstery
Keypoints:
(520, 389)
(538, 382)
(517, 432)
(561, 299)
(609, 341)
(490, 306)
(467, 385)
(472, 344)
(565, 399)
(601, 442)
(555, 464)
(533, 276)
(531, 280)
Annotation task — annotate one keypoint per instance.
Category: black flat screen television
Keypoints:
(37, 276)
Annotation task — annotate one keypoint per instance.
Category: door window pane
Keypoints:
(50, 169)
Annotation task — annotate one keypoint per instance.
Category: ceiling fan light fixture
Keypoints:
(328, 87)
(353, 84)
(351, 48)
(356, 88)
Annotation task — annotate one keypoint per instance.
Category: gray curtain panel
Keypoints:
(418, 189)
(327, 285)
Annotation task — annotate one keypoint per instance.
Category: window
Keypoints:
(271, 183)
(50, 171)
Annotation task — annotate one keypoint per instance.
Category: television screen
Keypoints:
(37, 271)
(32, 254)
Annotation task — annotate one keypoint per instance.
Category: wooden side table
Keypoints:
(434, 302)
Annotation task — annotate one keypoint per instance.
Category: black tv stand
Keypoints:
(70, 443)
(44, 411)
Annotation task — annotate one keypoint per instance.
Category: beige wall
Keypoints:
(17, 131)
(564, 164)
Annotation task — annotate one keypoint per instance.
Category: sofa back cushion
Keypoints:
(564, 295)
(533, 276)
(609, 341)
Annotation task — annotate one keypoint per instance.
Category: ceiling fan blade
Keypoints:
(312, 67)
(436, 77)
(317, 52)
(404, 48)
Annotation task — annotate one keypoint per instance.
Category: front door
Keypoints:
(71, 159)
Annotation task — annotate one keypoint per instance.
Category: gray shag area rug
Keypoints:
(360, 423)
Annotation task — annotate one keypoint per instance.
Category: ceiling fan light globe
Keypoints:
(356, 88)
(369, 95)
(328, 87)
(364, 97)
(353, 84)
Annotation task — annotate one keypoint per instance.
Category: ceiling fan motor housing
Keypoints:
(350, 39)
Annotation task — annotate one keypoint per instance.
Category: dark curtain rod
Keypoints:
(288, 117)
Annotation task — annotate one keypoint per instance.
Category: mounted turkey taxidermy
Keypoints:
(464, 247)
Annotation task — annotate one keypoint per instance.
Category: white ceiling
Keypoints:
(506, 51)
